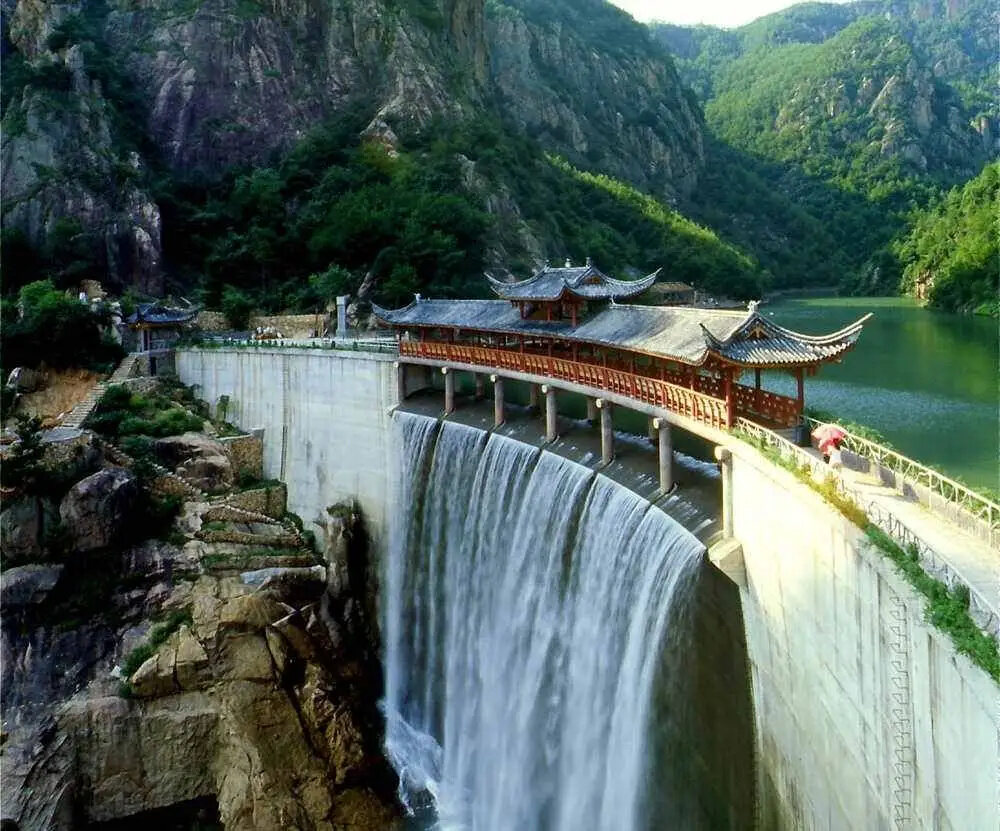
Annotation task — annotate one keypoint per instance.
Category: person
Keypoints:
(835, 459)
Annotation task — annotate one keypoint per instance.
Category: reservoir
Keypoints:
(925, 380)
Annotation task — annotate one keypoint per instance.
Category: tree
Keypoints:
(237, 306)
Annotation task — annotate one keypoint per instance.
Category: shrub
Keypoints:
(237, 306)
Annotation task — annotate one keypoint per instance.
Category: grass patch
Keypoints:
(143, 652)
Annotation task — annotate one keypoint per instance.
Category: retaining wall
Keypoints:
(865, 713)
(325, 417)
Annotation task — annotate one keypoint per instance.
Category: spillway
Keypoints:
(530, 607)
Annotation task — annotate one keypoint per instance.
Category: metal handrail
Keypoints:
(877, 514)
(955, 493)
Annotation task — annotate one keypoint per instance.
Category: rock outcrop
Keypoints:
(198, 459)
(94, 512)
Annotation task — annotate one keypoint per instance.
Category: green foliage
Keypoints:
(23, 466)
(946, 609)
(158, 636)
(56, 330)
(237, 306)
(119, 414)
(953, 247)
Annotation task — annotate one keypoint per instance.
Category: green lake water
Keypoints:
(927, 381)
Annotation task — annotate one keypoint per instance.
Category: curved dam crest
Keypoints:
(528, 602)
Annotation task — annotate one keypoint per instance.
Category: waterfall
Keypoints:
(527, 604)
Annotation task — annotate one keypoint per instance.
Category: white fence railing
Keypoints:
(880, 516)
(974, 511)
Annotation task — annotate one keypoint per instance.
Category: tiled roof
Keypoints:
(156, 314)
(680, 333)
(585, 281)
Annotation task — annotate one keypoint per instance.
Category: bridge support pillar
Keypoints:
(400, 382)
(607, 432)
(449, 389)
(551, 433)
(533, 397)
(666, 454)
(480, 386)
(497, 400)
(592, 410)
(651, 429)
(725, 458)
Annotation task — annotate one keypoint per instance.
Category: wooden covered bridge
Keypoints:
(565, 327)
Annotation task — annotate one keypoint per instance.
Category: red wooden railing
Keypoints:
(695, 405)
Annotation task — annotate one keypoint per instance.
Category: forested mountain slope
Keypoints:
(403, 145)
(859, 114)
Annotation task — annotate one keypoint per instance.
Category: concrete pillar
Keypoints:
(400, 382)
(551, 433)
(497, 400)
(607, 432)
(342, 315)
(592, 410)
(449, 389)
(651, 428)
(480, 386)
(666, 454)
(533, 397)
(725, 458)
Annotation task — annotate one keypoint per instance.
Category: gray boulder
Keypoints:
(22, 529)
(95, 509)
(27, 585)
(200, 460)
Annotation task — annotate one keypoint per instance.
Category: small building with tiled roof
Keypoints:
(557, 293)
(158, 325)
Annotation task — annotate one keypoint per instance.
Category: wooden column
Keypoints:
(666, 454)
(551, 433)
(800, 394)
(449, 389)
(607, 432)
(497, 400)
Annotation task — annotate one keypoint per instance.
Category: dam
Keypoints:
(853, 711)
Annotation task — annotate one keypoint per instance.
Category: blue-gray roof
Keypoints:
(586, 281)
(156, 314)
(679, 333)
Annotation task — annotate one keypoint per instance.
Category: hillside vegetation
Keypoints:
(841, 124)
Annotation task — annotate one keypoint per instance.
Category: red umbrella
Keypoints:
(828, 436)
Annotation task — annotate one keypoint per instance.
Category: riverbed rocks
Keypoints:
(94, 512)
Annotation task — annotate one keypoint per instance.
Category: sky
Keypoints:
(716, 12)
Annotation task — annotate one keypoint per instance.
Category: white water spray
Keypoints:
(527, 604)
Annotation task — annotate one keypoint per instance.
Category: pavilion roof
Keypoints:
(586, 282)
(684, 334)
(159, 314)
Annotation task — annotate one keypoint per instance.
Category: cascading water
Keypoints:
(528, 602)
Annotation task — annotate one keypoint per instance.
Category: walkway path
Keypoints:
(83, 409)
(946, 550)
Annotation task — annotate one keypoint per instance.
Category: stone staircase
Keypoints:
(223, 512)
(81, 412)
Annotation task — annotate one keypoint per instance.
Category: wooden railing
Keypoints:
(697, 406)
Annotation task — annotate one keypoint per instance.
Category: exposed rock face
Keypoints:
(198, 459)
(27, 585)
(95, 509)
(623, 112)
(23, 524)
(252, 703)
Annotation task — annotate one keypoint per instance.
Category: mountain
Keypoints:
(395, 145)
(858, 114)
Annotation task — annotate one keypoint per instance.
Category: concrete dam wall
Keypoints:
(864, 715)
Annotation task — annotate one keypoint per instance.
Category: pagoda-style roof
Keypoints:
(586, 282)
(683, 334)
(159, 314)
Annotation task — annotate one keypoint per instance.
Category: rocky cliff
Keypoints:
(227, 675)
(104, 102)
